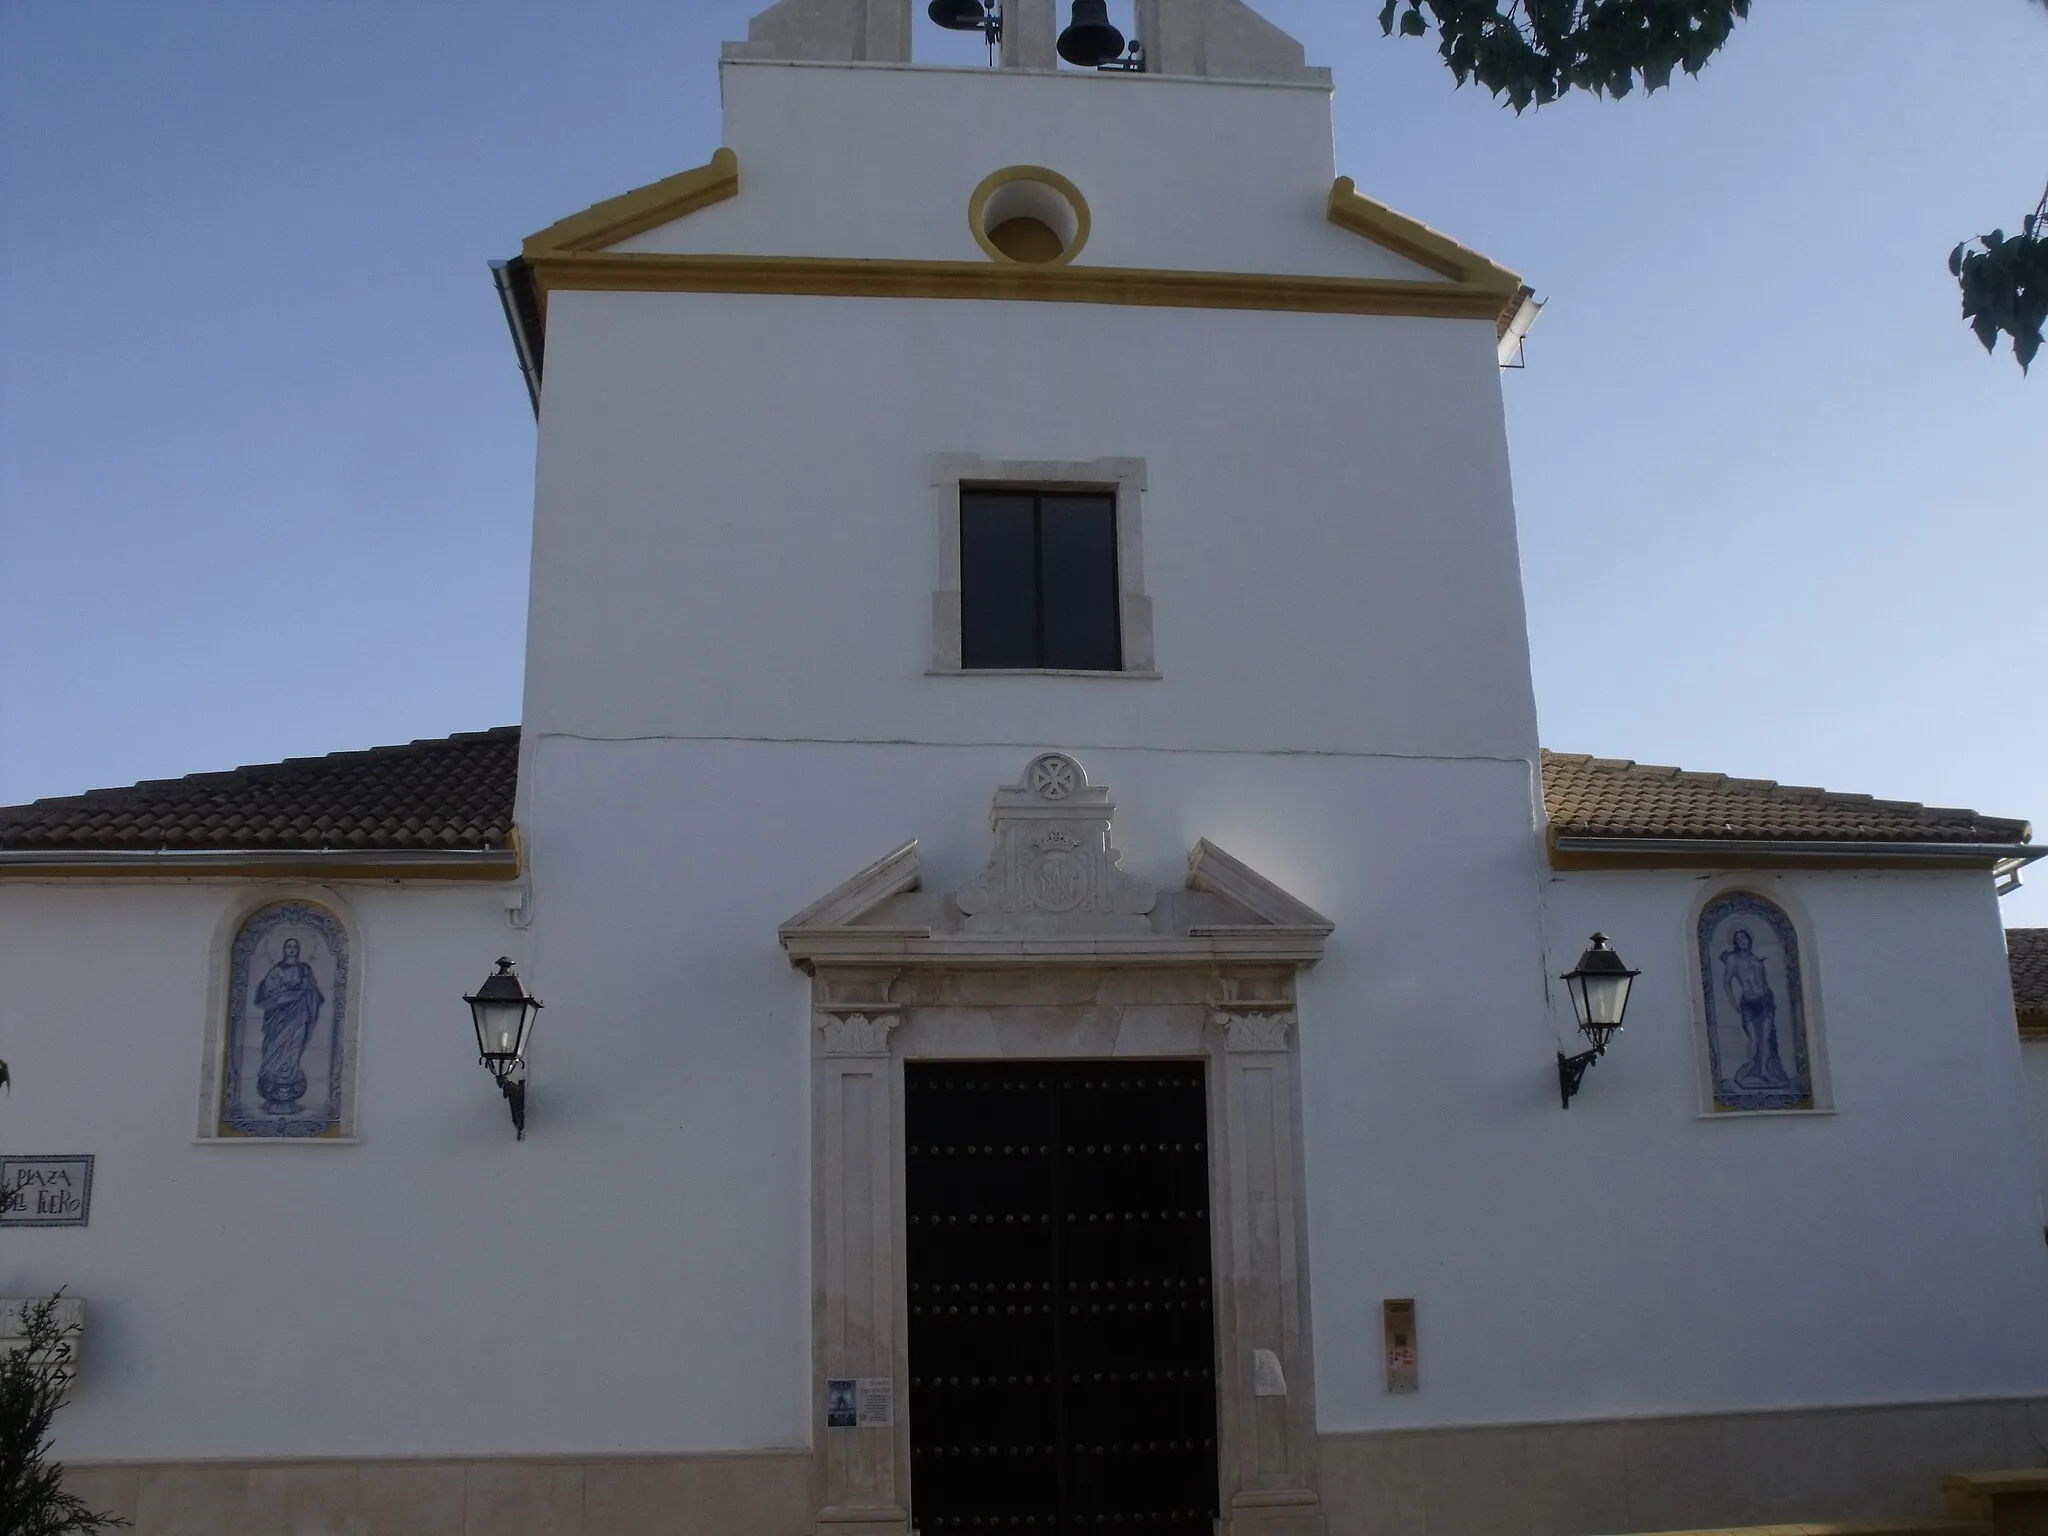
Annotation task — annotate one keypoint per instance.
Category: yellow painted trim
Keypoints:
(1353, 210)
(311, 867)
(632, 272)
(1084, 221)
(1753, 860)
(644, 208)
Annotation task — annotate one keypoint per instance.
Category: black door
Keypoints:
(1062, 1349)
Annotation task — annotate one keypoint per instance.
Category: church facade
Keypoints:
(1029, 828)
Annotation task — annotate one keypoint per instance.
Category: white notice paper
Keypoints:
(875, 1402)
(1267, 1380)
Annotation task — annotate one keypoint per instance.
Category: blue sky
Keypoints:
(265, 458)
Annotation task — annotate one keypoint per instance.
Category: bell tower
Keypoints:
(1192, 39)
(1071, 410)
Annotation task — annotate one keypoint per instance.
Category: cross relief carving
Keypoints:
(1052, 855)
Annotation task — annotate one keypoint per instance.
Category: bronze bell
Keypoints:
(1090, 41)
(958, 15)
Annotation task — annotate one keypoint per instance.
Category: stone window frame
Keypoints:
(1124, 478)
(213, 1040)
(1778, 895)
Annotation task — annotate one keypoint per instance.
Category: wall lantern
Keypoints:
(503, 1011)
(1599, 986)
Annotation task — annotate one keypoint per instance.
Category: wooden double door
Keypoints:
(1062, 1326)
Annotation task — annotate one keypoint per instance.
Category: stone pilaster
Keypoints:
(1270, 1469)
(856, 1105)
(1030, 31)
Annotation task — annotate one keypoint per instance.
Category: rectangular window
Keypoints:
(1038, 580)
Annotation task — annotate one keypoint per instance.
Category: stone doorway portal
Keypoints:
(1053, 959)
(1062, 1327)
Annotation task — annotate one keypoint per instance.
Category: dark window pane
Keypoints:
(998, 579)
(1077, 562)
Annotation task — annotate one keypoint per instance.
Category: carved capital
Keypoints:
(1261, 1029)
(856, 1033)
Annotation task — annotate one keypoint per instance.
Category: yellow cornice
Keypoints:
(644, 208)
(575, 253)
(1353, 210)
(263, 864)
(637, 272)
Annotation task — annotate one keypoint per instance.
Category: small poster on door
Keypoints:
(1268, 1380)
(839, 1408)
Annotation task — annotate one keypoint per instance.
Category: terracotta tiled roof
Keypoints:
(454, 792)
(2026, 951)
(1611, 797)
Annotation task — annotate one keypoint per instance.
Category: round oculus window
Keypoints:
(1029, 215)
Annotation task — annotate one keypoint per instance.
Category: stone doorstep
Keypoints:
(1992, 1484)
(1988, 1496)
(1851, 1528)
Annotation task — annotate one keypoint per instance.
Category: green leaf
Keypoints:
(1536, 51)
(2004, 286)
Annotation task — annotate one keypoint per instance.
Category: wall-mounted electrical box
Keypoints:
(1399, 1322)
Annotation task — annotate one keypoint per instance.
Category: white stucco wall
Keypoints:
(727, 684)
(728, 712)
(2034, 1054)
(634, 1275)
(258, 1299)
(734, 528)
(659, 927)
(880, 160)
(1634, 1255)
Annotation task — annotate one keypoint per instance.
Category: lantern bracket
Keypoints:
(1570, 1069)
(514, 1090)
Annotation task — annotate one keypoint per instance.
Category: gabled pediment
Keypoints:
(1268, 907)
(1351, 209)
(632, 213)
(1055, 890)
(859, 896)
(645, 240)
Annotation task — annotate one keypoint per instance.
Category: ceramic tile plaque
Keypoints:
(45, 1191)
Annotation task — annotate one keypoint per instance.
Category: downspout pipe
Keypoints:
(504, 279)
